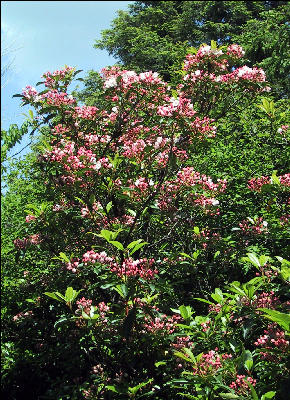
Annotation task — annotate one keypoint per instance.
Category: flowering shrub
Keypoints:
(133, 227)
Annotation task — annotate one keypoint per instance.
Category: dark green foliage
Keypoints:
(154, 35)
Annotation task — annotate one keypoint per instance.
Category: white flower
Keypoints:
(98, 165)
(111, 82)
(217, 52)
(174, 102)
(215, 202)
(265, 223)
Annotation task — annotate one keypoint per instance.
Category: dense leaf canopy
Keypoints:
(154, 35)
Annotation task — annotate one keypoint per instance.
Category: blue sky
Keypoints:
(46, 35)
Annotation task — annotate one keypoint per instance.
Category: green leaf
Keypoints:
(64, 257)
(112, 388)
(229, 396)
(254, 260)
(137, 247)
(186, 312)
(134, 389)
(132, 244)
(275, 179)
(157, 364)
(122, 290)
(71, 294)
(55, 295)
(268, 395)
(253, 391)
(248, 360)
(203, 300)
(106, 234)
(117, 244)
(281, 319)
(181, 355)
(109, 206)
(217, 296)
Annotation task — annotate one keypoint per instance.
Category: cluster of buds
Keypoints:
(22, 244)
(240, 385)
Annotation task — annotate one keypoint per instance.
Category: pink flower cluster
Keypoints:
(84, 305)
(197, 68)
(272, 340)
(55, 98)
(136, 268)
(52, 78)
(256, 184)
(235, 51)
(92, 257)
(249, 74)
(30, 218)
(29, 92)
(189, 177)
(117, 78)
(240, 385)
(284, 219)
(283, 129)
(22, 315)
(73, 265)
(206, 325)
(22, 244)
(215, 308)
(73, 160)
(209, 363)
(266, 300)
(161, 325)
(86, 112)
(258, 227)
(86, 213)
(182, 341)
(103, 309)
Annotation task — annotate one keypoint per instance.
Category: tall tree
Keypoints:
(154, 35)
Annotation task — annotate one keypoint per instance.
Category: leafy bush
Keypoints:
(152, 200)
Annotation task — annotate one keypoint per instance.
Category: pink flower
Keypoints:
(30, 218)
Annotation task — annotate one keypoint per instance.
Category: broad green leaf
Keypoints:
(263, 259)
(185, 311)
(137, 247)
(281, 319)
(122, 290)
(106, 234)
(109, 206)
(132, 244)
(117, 244)
(55, 295)
(112, 388)
(268, 395)
(254, 260)
(181, 355)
